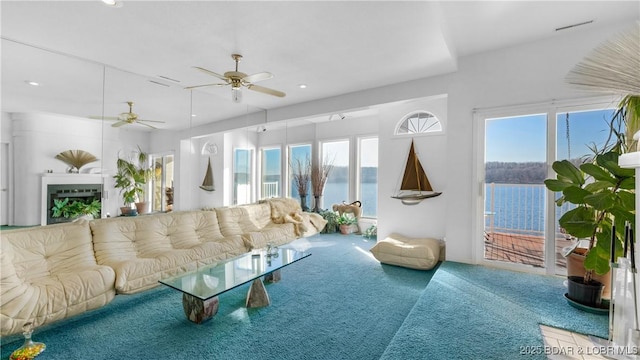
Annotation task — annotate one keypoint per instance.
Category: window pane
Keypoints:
(368, 174)
(336, 189)
(515, 201)
(575, 133)
(242, 176)
(419, 123)
(299, 159)
(271, 182)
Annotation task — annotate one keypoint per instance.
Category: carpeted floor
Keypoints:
(337, 304)
(475, 312)
(340, 303)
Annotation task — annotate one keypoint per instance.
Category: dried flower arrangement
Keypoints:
(301, 172)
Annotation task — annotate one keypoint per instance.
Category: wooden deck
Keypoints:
(520, 249)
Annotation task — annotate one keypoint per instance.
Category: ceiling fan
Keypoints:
(239, 79)
(127, 118)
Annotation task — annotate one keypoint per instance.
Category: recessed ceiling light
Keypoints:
(32, 83)
(193, 115)
(302, 86)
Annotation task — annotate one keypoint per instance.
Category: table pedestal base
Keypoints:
(257, 296)
(273, 276)
(198, 310)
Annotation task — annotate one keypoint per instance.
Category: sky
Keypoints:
(523, 139)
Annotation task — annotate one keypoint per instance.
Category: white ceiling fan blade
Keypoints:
(265, 90)
(103, 118)
(254, 78)
(211, 73)
(119, 123)
(141, 123)
(205, 85)
(155, 121)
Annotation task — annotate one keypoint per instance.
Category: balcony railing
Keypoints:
(270, 189)
(515, 224)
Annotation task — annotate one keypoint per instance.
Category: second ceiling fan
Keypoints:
(238, 79)
(127, 118)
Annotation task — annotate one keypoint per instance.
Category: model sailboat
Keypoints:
(414, 182)
(207, 183)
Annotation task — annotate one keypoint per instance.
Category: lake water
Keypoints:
(520, 208)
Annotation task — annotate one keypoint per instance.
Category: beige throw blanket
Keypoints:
(286, 210)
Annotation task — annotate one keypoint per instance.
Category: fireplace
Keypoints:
(74, 192)
(76, 187)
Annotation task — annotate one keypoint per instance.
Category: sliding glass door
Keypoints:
(515, 169)
(519, 216)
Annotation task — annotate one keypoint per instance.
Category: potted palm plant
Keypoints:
(604, 197)
(131, 178)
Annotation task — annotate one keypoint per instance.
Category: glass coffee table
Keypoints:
(200, 289)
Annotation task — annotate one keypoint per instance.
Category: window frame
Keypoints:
(428, 133)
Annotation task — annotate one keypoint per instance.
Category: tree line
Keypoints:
(515, 172)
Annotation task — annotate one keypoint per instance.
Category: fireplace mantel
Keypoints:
(66, 179)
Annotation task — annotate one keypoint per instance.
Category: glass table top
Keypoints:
(214, 280)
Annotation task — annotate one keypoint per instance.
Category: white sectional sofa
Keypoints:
(56, 271)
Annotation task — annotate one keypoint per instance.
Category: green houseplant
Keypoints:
(75, 209)
(131, 178)
(345, 221)
(332, 221)
(604, 196)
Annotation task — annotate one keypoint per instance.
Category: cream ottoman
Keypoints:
(414, 253)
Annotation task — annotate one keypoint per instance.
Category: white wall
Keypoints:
(428, 218)
(36, 138)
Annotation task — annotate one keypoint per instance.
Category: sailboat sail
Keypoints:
(207, 183)
(414, 176)
(415, 180)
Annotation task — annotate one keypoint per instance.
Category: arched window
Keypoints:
(419, 122)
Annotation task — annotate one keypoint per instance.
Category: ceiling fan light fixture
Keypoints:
(236, 95)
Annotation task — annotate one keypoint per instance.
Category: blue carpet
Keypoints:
(475, 312)
(339, 303)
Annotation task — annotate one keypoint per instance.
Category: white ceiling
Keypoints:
(334, 47)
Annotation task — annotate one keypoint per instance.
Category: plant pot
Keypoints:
(575, 267)
(316, 204)
(143, 207)
(586, 294)
(345, 229)
(303, 203)
(124, 210)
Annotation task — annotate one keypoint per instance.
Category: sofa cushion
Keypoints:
(147, 248)
(49, 273)
(122, 238)
(235, 220)
(273, 234)
(415, 253)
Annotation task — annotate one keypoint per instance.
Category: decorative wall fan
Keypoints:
(239, 79)
(127, 118)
